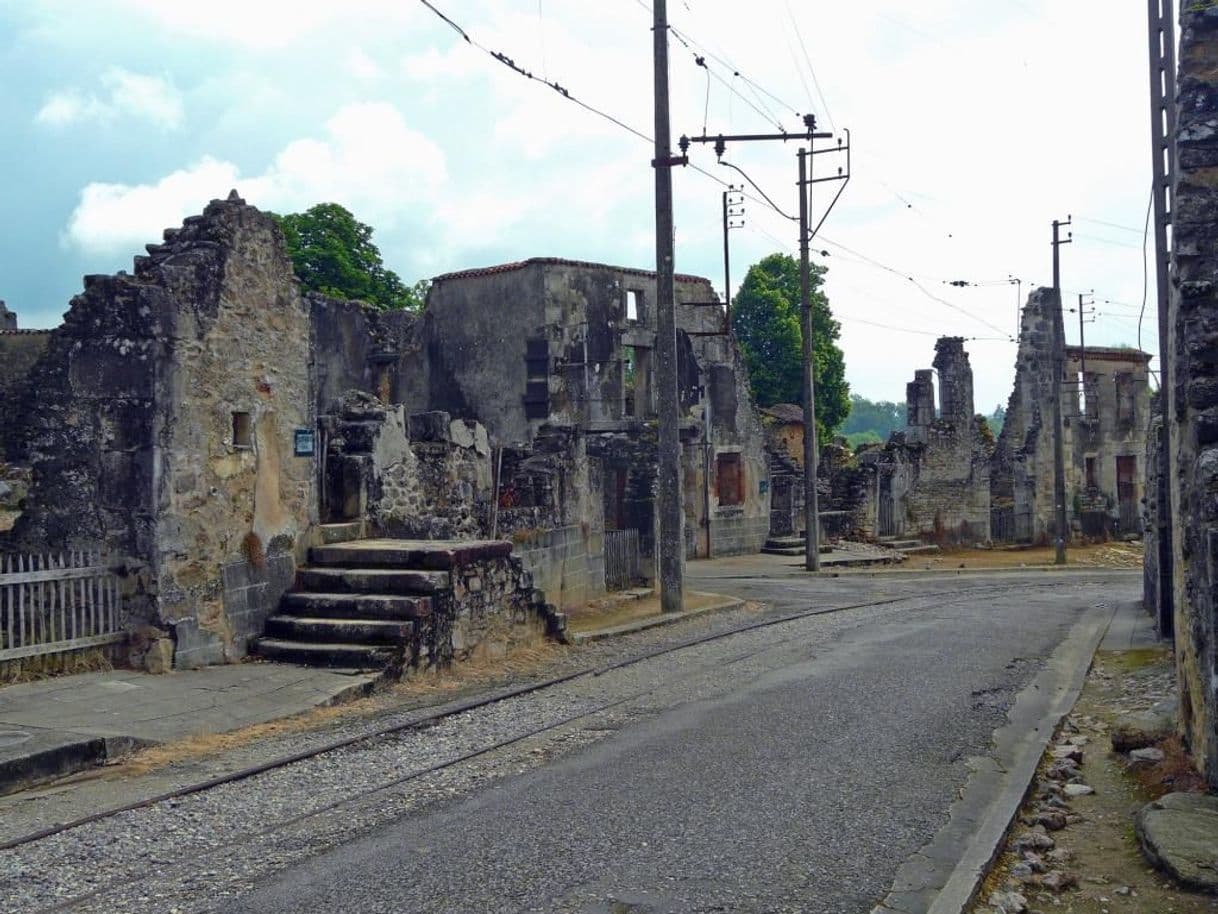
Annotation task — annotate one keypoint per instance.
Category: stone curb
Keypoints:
(642, 624)
(962, 572)
(942, 878)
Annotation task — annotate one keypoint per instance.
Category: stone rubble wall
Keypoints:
(1192, 420)
(20, 350)
(129, 430)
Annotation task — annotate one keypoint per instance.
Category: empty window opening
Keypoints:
(632, 305)
(729, 480)
(1092, 480)
(243, 430)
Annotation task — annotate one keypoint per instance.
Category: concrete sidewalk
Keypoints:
(55, 727)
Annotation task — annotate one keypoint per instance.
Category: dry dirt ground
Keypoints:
(1101, 869)
(618, 609)
(1100, 555)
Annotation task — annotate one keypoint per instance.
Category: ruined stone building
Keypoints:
(1105, 416)
(556, 356)
(1190, 402)
(932, 479)
(212, 430)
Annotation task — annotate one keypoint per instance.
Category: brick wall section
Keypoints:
(1193, 417)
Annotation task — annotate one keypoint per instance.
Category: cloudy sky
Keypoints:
(974, 125)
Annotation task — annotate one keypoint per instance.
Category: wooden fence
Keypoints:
(623, 561)
(56, 602)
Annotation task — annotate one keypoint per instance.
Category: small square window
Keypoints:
(243, 430)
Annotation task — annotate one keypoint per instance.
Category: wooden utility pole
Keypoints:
(811, 506)
(1162, 33)
(806, 233)
(1058, 364)
(671, 546)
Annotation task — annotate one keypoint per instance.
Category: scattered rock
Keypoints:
(1034, 839)
(1023, 871)
(1059, 881)
(1035, 861)
(1063, 771)
(1009, 902)
(1077, 790)
(1179, 835)
(1067, 753)
(1059, 855)
(1051, 820)
(1145, 757)
(1142, 728)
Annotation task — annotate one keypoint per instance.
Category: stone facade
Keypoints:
(160, 425)
(1192, 404)
(553, 344)
(8, 319)
(932, 480)
(1104, 420)
(19, 350)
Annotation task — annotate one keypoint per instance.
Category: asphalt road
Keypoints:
(793, 768)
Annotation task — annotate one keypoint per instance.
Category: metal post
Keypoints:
(727, 267)
(811, 508)
(1058, 370)
(1082, 348)
(1162, 34)
(672, 538)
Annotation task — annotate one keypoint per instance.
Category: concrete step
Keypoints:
(355, 606)
(435, 555)
(780, 550)
(372, 632)
(372, 580)
(785, 542)
(895, 543)
(341, 533)
(920, 549)
(346, 656)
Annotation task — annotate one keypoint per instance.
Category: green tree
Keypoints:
(333, 253)
(879, 418)
(765, 317)
(997, 419)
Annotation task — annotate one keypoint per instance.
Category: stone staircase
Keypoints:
(790, 545)
(907, 546)
(369, 604)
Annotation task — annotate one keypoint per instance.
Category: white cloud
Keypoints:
(361, 66)
(370, 161)
(271, 24)
(125, 95)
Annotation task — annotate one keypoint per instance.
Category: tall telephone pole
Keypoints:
(672, 533)
(1058, 369)
(806, 232)
(1162, 34)
(811, 498)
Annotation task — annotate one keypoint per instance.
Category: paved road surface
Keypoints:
(794, 768)
(804, 766)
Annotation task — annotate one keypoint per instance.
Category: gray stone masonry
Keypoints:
(8, 319)
(1192, 408)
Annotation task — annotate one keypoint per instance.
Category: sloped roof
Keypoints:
(557, 261)
(785, 412)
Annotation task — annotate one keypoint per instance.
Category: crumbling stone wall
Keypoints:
(133, 434)
(1022, 466)
(934, 477)
(19, 352)
(428, 477)
(556, 344)
(1192, 418)
(8, 319)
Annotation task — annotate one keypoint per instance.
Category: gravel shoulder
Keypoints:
(1077, 854)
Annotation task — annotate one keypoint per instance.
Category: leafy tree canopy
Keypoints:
(997, 419)
(878, 418)
(765, 317)
(333, 253)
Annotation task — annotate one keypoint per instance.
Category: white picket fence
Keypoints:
(56, 602)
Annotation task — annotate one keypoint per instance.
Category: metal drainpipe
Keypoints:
(706, 486)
